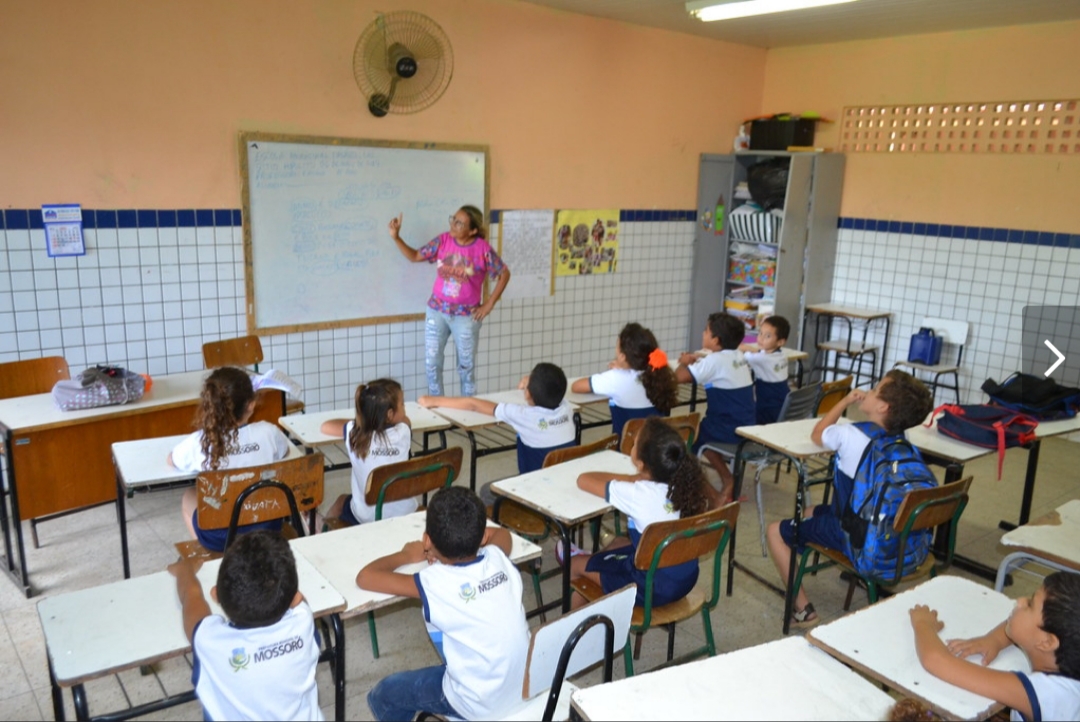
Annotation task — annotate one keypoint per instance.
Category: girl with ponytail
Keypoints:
(669, 485)
(639, 381)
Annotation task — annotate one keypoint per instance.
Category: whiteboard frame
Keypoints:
(246, 136)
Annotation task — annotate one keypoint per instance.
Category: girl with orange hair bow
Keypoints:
(639, 382)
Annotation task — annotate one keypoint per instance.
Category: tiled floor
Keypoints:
(82, 550)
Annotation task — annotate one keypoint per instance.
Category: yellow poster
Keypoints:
(586, 242)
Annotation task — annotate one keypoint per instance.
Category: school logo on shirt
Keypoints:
(467, 592)
(669, 507)
(544, 424)
(244, 448)
(239, 659)
(384, 451)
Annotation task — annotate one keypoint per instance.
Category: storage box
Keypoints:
(760, 273)
(775, 134)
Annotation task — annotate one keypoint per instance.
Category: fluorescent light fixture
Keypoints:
(709, 10)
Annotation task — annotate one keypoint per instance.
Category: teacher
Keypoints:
(462, 258)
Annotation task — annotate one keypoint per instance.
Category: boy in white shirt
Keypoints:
(471, 595)
(259, 664)
(770, 367)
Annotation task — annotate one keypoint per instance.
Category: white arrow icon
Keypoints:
(1057, 353)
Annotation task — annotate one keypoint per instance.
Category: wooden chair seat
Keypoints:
(525, 522)
(663, 615)
(247, 352)
(686, 425)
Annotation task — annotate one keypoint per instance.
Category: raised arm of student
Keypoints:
(189, 589)
(408, 251)
(834, 414)
(379, 575)
(682, 372)
(334, 427)
(465, 403)
(581, 386)
(938, 660)
(595, 482)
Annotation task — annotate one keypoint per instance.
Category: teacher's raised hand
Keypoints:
(395, 226)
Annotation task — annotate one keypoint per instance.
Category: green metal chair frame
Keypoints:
(908, 522)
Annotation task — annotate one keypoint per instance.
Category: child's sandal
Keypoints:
(805, 617)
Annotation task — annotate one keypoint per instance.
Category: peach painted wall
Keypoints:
(1029, 62)
(134, 104)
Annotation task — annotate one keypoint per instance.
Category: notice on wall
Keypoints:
(586, 242)
(525, 244)
(63, 230)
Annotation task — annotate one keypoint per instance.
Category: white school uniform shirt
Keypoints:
(257, 443)
(1052, 696)
(726, 369)
(476, 621)
(380, 453)
(849, 443)
(539, 428)
(769, 367)
(260, 673)
(643, 502)
(622, 387)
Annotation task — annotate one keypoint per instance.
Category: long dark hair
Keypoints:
(374, 402)
(223, 400)
(637, 344)
(668, 461)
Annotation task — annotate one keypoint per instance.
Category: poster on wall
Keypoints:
(586, 242)
(525, 246)
(63, 230)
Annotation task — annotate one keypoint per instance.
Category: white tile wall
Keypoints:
(986, 283)
(148, 299)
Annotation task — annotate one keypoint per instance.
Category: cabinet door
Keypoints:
(715, 179)
(790, 283)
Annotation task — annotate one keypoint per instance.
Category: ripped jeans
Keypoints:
(438, 327)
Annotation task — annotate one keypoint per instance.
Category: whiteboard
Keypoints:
(317, 252)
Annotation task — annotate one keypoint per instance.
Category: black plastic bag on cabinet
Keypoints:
(767, 181)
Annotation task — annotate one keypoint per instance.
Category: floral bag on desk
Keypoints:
(99, 386)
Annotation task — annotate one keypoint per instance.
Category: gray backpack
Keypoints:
(99, 386)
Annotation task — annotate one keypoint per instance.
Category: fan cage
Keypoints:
(427, 43)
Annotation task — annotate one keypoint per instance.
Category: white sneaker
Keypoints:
(559, 552)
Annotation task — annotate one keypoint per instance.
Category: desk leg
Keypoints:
(121, 519)
(57, 696)
(800, 504)
(19, 575)
(82, 706)
(472, 459)
(1029, 487)
(339, 667)
(565, 532)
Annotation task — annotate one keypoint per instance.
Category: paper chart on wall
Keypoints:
(586, 242)
(525, 244)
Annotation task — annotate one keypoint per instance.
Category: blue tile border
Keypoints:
(981, 233)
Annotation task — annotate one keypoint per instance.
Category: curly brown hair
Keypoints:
(908, 398)
(668, 461)
(636, 343)
(374, 403)
(223, 402)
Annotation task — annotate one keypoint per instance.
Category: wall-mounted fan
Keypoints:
(402, 63)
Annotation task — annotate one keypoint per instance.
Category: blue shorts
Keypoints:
(822, 528)
(616, 569)
(346, 512)
(214, 539)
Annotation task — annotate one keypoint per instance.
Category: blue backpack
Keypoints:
(890, 467)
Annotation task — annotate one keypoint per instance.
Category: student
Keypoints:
(1046, 627)
(639, 381)
(259, 662)
(770, 367)
(471, 595)
(725, 375)
(544, 423)
(668, 485)
(456, 306)
(380, 434)
(898, 402)
(225, 440)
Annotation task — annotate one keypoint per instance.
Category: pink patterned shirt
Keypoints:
(459, 280)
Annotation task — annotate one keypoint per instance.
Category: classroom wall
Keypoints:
(132, 109)
(974, 237)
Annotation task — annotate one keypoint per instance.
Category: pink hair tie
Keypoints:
(658, 359)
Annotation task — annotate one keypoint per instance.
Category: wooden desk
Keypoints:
(97, 632)
(306, 428)
(143, 466)
(1053, 541)
(784, 680)
(553, 493)
(60, 460)
(848, 314)
(594, 410)
(486, 434)
(879, 642)
(339, 555)
(792, 440)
